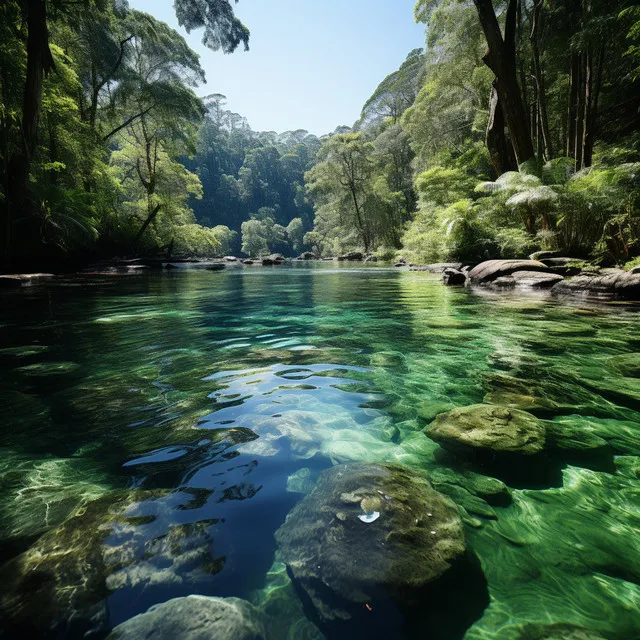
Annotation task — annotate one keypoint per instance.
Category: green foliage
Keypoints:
(254, 241)
(295, 234)
(222, 29)
(226, 238)
(114, 119)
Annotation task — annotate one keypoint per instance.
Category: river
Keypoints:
(159, 427)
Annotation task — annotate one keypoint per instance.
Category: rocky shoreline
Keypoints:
(560, 276)
(542, 271)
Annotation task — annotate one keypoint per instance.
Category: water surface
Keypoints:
(199, 407)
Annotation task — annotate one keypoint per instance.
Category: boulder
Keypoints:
(400, 264)
(608, 283)
(371, 259)
(493, 269)
(437, 267)
(230, 259)
(248, 261)
(59, 587)
(274, 258)
(366, 533)
(535, 279)
(22, 279)
(504, 282)
(488, 428)
(195, 618)
(307, 255)
(351, 256)
(453, 277)
(542, 255)
(563, 266)
(635, 270)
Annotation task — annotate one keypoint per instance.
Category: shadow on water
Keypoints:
(442, 610)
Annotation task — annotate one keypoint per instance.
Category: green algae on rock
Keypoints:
(341, 560)
(195, 618)
(486, 428)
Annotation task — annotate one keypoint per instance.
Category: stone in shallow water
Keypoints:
(482, 427)
(343, 563)
(125, 539)
(301, 481)
(608, 283)
(195, 618)
(40, 494)
(492, 269)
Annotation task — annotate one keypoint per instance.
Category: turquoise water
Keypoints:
(157, 429)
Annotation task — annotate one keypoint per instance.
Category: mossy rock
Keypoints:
(627, 365)
(482, 427)
(369, 531)
(124, 539)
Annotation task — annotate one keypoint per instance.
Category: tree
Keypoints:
(222, 31)
(340, 181)
(165, 114)
(295, 234)
(254, 242)
(501, 59)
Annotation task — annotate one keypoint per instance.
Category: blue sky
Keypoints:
(312, 64)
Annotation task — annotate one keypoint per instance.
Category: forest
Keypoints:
(515, 129)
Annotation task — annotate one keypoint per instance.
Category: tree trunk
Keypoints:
(501, 59)
(539, 77)
(499, 145)
(363, 230)
(579, 119)
(573, 104)
(39, 63)
(150, 218)
(592, 94)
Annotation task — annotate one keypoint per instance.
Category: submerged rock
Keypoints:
(126, 539)
(488, 428)
(492, 269)
(342, 562)
(563, 563)
(195, 618)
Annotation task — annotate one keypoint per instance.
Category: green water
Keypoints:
(158, 428)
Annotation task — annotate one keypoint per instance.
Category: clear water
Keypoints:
(157, 429)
